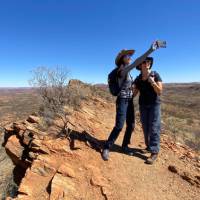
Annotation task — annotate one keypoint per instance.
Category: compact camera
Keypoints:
(162, 43)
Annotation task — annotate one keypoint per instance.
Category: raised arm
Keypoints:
(139, 60)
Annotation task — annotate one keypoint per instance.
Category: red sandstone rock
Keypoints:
(9, 128)
(15, 150)
(62, 187)
(57, 172)
(66, 170)
(33, 119)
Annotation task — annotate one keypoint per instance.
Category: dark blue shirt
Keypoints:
(147, 94)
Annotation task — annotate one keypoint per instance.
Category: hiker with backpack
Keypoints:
(149, 85)
(120, 85)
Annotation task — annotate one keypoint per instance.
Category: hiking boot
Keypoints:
(145, 151)
(127, 151)
(105, 154)
(152, 158)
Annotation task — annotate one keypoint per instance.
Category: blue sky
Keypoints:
(86, 35)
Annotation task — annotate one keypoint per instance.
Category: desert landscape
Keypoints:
(79, 171)
(66, 87)
(181, 111)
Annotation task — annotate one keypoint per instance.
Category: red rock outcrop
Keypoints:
(59, 168)
(53, 170)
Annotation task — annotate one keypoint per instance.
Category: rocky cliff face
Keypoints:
(6, 167)
(50, 166)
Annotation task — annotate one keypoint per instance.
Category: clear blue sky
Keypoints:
(86, 35)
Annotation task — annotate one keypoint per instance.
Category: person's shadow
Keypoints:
(136, 151)
(98, 145)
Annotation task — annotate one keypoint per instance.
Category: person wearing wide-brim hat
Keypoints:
(149, 86)
(124, 101)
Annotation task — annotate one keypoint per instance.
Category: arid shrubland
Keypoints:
(58, 99)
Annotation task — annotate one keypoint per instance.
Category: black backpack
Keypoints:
(113, 82)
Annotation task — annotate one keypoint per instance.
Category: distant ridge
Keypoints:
(14, 88)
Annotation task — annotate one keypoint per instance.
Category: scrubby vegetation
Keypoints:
(181, 111)
(58, 98)
(17, 104)
(180, 107)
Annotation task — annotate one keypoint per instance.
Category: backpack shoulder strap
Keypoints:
(131, 77)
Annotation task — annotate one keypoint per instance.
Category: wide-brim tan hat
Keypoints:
(122, 53)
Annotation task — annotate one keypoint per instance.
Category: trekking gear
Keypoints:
(113, 82)
(152, 158)
(105, 154)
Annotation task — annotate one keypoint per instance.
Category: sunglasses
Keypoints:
(127, 56)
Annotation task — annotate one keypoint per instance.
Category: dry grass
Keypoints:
(180, 108)
(17, 104)
(181, 111)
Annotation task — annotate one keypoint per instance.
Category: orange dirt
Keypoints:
(60, 172)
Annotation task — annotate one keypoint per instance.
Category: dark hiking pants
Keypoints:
(151, 124)
(124, 112)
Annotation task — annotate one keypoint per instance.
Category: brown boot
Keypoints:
(152, 158)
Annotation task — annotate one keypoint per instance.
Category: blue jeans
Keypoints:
(124, 111)
(151, 124)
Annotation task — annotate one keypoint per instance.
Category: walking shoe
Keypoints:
(152, 158)
(127, 151)
(105, 154)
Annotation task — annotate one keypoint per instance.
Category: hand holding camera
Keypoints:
(159, 44)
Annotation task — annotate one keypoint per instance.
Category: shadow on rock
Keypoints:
(88, 139)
